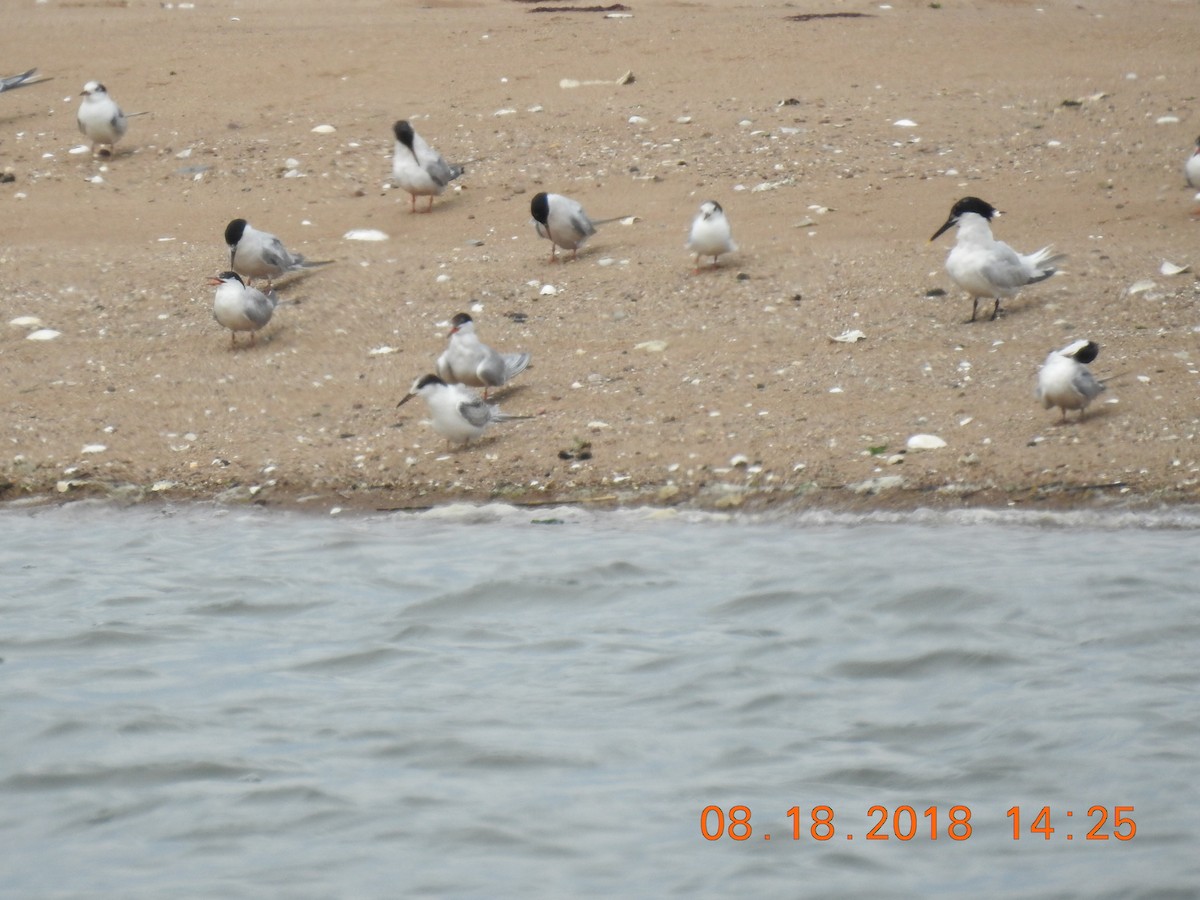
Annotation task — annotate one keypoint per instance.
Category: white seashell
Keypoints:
(739, 459)
(82, 148)
(568, 83)
(93, 448)
(925, 442)
(548, 290)
(1169, 268)
(43, 334)
(1167, 120)
(442, 279)
(596, 425)
(850, 337)
(382, 351)
(1140, 287)
(364, 234)
(638, 120)
(651, 346)
(505, 112)
(324, 129)
(905, 123)
(26, 322)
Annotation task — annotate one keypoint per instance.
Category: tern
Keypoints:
(1064, 380)
(100, 119)
(467, 360)
(1191, 168)
(984, 266)
(239, 307)
(259, 254)
(563, 221)
(418, 168)
(710, 234)
(458, 414)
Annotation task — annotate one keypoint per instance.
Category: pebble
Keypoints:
(365, 234)
(925, 442)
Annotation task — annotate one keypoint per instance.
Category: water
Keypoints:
(207, 703)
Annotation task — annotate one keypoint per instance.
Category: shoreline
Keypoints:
(878, 495)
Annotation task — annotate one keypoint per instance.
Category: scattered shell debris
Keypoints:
(1170, 268)
(365, 234)
(569, 83)
(850, 337)
(925, 442)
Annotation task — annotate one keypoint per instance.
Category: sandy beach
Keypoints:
(836, 145)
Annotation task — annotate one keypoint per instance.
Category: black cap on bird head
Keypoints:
(459, 320)
(964, 206)
(234, 231)
(423, 381)
(404, 133)
(539, 207)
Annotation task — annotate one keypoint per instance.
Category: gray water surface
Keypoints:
(208, 703)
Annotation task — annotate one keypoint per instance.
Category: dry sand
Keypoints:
(1073, 118)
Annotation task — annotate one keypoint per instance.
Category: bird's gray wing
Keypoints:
(1086, 384)
(491, 370)
(275, 254)
(582, 224)
(260, 306)
(514, 364)
(439, 171)
(476, 411)
(1006, 269)
(10, 82)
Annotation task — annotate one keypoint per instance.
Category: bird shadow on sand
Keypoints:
(1099, 412)
(260, 343)
(290, 280)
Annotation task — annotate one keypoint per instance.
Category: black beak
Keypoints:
(949, 223)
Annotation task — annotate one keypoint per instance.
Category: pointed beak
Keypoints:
(215, 281)
(949, 223)
(407, 397)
